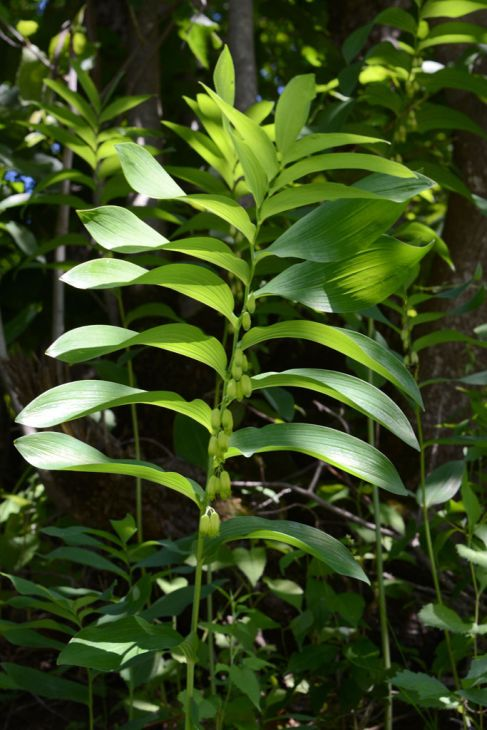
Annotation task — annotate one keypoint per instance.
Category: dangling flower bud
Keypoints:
(238, 357)
(251, 303)
(215, 419)
(232, 389)
(246, 386)
(222, 440)
(205, 524)
(246, 321)
(236, 371)
(213, 487)
(214, 526)
(225, 485)
(227, 421)
(213, 446)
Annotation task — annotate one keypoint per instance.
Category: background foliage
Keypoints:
(366, 235)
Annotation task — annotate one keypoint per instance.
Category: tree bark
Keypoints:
(242, 48)
(465, 232)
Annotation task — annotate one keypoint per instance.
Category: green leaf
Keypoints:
(227, 209)
(82, 556)
(45, 684)
(441, 337)
(437, 116)
(451, 8)
(319, 141)
(351, 285)
(110, 646)
(117, 229)
(145, 175)
(352, 344)
(422, 689)
(60, 452)
(122, 105)
(292, 110)
(224, 77)
(339, 229)
(341, 161)
(254, 173)
(446, 33)
(287, 590)
(455, 78)
(398, 18)
(75, 100)
(214, 251)
(86, 343)
(252, 134)
(442, 484)
(441, 617)
(194, 281)
(308, 539)
(333, 447)
(295, 197)
(251, 562)
(477, 557)
(358, 394)
(246, 681)
(74, 400)
(88, 86)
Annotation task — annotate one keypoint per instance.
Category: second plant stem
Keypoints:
(379, 561)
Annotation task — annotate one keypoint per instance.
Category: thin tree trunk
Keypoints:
(465, 232)
(241, 43)
(62, 228)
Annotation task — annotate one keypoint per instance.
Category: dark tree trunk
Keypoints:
(241, 43)
(465, 232)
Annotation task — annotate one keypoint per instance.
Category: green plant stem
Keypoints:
(190, 667)
(135, 431)
(91, 722)
(211, 644)
(223, 402)
(430, 548)
(379, 561)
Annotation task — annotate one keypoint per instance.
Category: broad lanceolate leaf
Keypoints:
(339, 229)
(252, 134)
(86, 343)
(292, 110)
(74, 400)
(227, 209)
(308, 539)
(352, 344)
(214, 251)
(295, 197)
(121, 105)
(194, 281)
(341, 161)
(59, 452)
(318, 142)
(44, 684)
(145, 175)
(334, 447)
(347, 389)
(457, 32)
(351, 285)
(110, 646)
(224, 77)
(451, 8)
(119, 230)
(442, 484)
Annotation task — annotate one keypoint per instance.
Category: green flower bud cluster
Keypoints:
(219, 485)
(239, 386)
(245, 318)
(210, 523)
(222, 426)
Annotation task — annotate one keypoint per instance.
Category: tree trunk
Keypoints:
(241, 43)
(465, 232)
